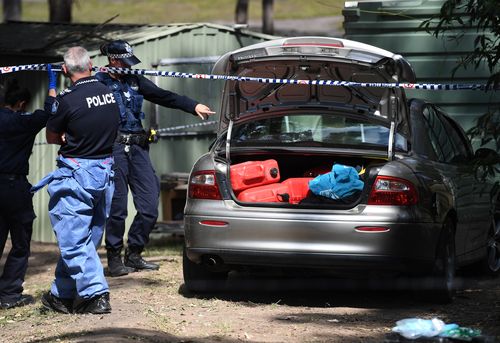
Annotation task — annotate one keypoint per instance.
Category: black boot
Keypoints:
(133, 259)
(98, 304)
(53, 303)
(115, 263)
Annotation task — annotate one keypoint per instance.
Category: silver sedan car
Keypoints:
(416, 201)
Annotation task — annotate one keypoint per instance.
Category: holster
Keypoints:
(141, 139)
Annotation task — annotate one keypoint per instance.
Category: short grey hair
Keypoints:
(77, 60)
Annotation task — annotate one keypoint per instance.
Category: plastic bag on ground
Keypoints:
(413, 328)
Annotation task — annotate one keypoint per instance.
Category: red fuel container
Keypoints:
(254, 173)
(291, 191)
(275, 192)
(298, 188)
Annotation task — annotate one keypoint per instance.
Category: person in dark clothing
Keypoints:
(84, 121)
(17, 135)
(133, 167)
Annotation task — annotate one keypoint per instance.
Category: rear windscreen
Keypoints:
(315, 130)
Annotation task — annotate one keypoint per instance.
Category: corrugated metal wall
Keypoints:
(153, 44)
(394, 25)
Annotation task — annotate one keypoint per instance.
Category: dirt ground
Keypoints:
(155, 307)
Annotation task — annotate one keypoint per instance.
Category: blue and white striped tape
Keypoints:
(426, 86)
(184, 127)
(172, 131)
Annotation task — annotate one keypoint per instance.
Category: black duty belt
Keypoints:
(12, 177)
(140, 139)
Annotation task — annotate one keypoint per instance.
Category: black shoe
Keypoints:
(98, 304)
(51, 302)
(23, 300)
(115, 263)
(133, 259)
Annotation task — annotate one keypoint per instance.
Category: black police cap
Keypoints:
(121, 50)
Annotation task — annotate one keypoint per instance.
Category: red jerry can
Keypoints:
(275, 192)
(254, 173)
(298, 188)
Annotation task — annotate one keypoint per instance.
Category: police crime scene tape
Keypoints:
(145, 72)
(172, 131)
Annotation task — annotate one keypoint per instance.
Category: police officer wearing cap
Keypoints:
(84, 121)
(18, 129)
(133, 166)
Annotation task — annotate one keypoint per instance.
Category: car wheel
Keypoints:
(443, 279)
(199, 278)
(491, 263)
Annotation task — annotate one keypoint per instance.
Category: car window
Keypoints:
(317, 129)
(438, 135)
(460, 143)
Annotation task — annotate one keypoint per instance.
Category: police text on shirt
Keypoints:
(100, 100)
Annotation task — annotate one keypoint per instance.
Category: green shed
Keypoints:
(394, 26)
(191, 48)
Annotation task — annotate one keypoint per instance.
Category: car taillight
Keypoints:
(203, 185)
(388, 190)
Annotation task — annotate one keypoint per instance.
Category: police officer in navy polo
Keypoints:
(18, 129)
(133, 166)
(84, 121)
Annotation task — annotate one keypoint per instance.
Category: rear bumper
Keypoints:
(320, 261)
(312, 238)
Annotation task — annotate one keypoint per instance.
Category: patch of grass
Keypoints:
(177, 11)
(34, 314)
(163, 322)
(30, 313)
(164, 247)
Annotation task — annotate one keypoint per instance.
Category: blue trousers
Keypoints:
(80, 199)
(16, 217)
(133, 169)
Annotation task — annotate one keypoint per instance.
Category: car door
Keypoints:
(456, 172)
(481, 208)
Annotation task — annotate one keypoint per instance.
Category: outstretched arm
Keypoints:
(163, 97)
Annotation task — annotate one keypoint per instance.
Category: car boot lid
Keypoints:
(314, 58)
(316, 46)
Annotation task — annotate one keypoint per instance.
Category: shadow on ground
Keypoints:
(122, 335)
(311, 291)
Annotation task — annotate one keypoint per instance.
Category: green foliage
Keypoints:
(484, 17)
(487, 128)
(487, 164)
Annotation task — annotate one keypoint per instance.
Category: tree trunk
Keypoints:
(241, 16)
(11, 10)
(267, 17)
(60, 11)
